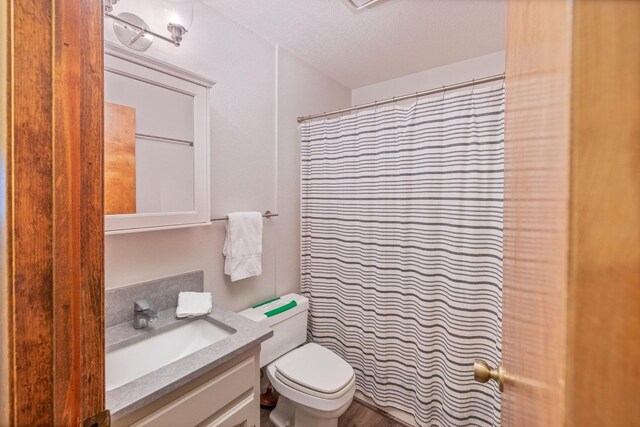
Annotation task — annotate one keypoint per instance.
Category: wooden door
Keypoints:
(51, 221)
(571, 310)
(536, 238)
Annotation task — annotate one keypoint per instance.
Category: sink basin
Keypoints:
(133, 361)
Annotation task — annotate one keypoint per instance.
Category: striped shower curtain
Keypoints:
(402, 250)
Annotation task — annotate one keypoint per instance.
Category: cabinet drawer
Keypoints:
(240, 415)
(200, 403)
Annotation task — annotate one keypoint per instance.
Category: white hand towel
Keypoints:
(243, 245)
(193, 304)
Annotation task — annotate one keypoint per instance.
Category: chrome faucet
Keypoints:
(143, 316)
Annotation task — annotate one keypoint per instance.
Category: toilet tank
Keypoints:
(287, 316)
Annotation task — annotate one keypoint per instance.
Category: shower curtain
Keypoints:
(401, 242)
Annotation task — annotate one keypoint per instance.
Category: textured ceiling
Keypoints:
(393, 38)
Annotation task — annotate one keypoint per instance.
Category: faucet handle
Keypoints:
(140, 305)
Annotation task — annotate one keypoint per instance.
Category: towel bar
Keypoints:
(266, 214)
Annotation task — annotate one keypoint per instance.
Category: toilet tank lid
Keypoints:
(277, 309)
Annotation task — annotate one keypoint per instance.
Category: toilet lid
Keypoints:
(316, 368)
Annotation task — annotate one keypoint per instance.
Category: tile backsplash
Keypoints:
(161, 294)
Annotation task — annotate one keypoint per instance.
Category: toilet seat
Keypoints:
(313, 376)
(315, 370)
(311, 391)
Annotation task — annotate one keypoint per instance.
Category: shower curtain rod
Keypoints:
(408, 96)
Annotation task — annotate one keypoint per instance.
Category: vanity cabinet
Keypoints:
(227, 396)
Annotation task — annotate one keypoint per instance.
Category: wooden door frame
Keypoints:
(4, 133)
(51, 226)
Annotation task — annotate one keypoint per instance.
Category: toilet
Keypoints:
(316, 385)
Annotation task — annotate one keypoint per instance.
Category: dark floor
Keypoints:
(358, 415)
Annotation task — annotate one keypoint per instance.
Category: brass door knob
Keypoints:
(482, 373)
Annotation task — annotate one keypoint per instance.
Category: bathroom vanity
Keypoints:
(227, 396)
(203, 371)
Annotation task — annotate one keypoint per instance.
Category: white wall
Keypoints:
(255, 165)
(302, 90)
(254, 156)
(474, 68)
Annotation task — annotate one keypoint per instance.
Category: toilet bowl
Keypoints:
(316, 385)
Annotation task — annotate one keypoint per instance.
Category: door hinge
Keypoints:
(101, 419)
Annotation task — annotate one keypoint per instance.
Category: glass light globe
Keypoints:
(179, 12)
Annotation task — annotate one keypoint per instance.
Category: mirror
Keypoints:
(155, 144)
(148, 147)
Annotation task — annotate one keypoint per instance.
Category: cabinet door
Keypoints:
(206, 401)
(157, 160)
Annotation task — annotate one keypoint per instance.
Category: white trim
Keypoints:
(164, 227)
(117, 51)
(276, 159)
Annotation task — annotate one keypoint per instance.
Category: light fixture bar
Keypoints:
(359, 8)
(139, 28)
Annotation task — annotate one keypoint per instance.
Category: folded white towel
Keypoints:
(193, 304)
(243, 245)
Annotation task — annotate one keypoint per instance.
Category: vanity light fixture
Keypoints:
(180, 13)
(134, 33)
(358, 6)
